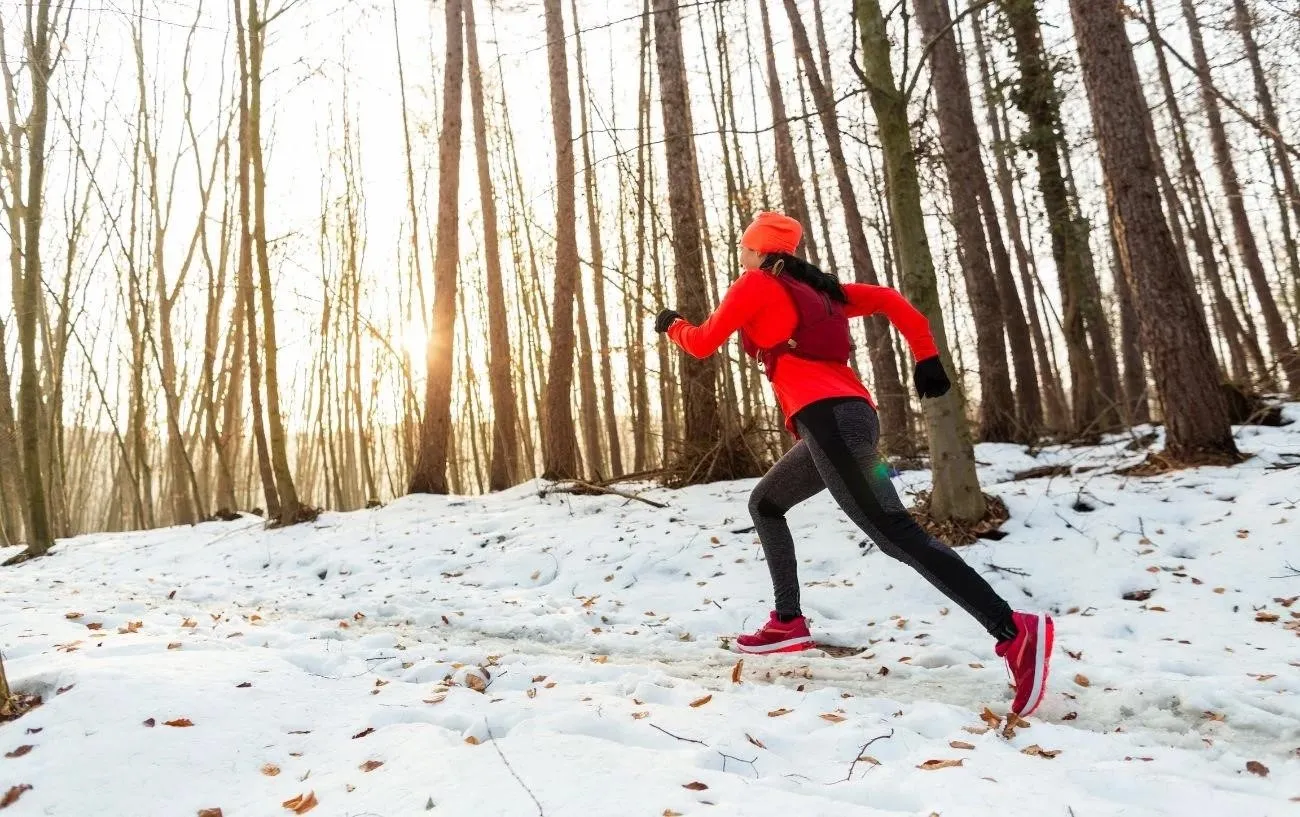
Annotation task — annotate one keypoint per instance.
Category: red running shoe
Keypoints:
(1028, 657)
(777, 636)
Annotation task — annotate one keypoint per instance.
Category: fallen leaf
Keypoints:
(270, 770)
(244, 685)
(472, 741)
(300, 732)
(1069, 716)
(636, 716)
(600, 659)
(350, 788)
(536, 575)
(991, 719)
(698, 702)
(976, 730)
(189, 622)
(1152, 569)
(1139, 595)
(1014, 722)
(754, 741)
(150, 723)
(179, 722)
(94, 625)
(1264, 677)
(175, 645)
(131, 627)
(475, 682)
(532, 692)
(1037, 751)
(960, 744)
(868, 759)
(833, 718)
(537, 679)
(1266, 617)
(1082, 680)
(1242, 534)
(32, 730)
(20, 751)
(670, 813)
(62, 690)
(695, 786)
(932, 765)
(884, 670)
(171, 596)
(208, 812)
(1077, 656)
(736, 670)
(1143, 759)
(776, 713)
(301, 804)
(550, 685)
(1220, 590)
(363, 732)
(13, 794)
(1215, 716)
(371, 765)
(1255, 767)
(72, 616)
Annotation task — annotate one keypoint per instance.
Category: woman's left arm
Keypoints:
(741, 303)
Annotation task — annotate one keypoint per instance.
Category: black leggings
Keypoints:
(838, 451)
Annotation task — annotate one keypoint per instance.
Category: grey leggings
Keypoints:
(838, 451)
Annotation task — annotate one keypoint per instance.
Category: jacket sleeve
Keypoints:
(866, 299)
(738, 306)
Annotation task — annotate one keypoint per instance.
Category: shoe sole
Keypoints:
(1042, 663)
(789, 645)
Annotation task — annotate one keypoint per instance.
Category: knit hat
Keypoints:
(772, 232)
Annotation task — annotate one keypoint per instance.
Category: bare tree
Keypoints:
(1173, 325)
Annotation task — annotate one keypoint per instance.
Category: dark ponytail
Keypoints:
(778, 263)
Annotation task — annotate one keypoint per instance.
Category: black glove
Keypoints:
(930, 378)
(666, 319)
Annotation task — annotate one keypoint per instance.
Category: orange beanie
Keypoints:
(772, 232)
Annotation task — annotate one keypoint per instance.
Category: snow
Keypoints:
(597, 626)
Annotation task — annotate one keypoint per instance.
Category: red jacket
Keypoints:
(757, 304)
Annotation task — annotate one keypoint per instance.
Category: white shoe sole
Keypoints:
(777, 646)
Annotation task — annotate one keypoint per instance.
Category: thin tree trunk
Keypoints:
(1136, 406)
(1247, 248)
(956, 494)
(1173, 324)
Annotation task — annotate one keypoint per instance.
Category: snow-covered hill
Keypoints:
(341, 656)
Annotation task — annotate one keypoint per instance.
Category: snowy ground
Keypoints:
(313, 662)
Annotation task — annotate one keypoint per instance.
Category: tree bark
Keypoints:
(959, 139)
(1247, 248)
(503, 469)
(1173, 325)
(956, 493)
(559, 441)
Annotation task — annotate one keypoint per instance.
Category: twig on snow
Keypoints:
(1294, 574)
(515, 774)
(726, 757)
(1014, 571)
(679, 737)
(854, 764)
(580, 488)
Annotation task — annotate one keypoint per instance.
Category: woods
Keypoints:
(250, 272)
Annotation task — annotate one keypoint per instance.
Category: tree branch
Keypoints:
(910, 86)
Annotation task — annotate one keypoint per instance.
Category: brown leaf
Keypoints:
(371, 765)
(94, 625)
(13, 794)
(1077, 656)
(670, 813)
(72, 616)
(833, 718)
(698, 702)
(960, 744)
(171, 596)
(472, 741)
(270, 770)
(1266, 617)
(175, 645)
(636, 716)
(1242, 534)
(62, 690)
(932, 765)
(754, 741)
(179, 722)
(695, 786)
(884, 670)
(189, 622)
(976, 730)
(537, 679)
(536, 575)
(1215, 716)
(532, 692)
(549, 685)
(1082, 680)
(776, 713)
(363, 732)
(301, 804)
(1157, 609)
(1264, 677)
(150, 723)
(600, 659)
(208, 812)
(1139, 595)
(1069, 716)
(475, 681)
(1037, 751)
(868, 759)
(991, 719)
(1255, 767)
(20, 751)
(351, 788)
(736, 670)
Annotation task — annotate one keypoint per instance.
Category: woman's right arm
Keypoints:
(739, 305)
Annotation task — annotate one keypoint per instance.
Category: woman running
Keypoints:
(793, 318)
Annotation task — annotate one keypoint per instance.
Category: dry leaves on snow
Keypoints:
(13, 794)
(1266, 617)
(736, 670)
(472, 741)
(670, 813)
(371, 765)
(1082, 680)
(960, 744)
(698, 702)
(932, 765)
(301, 804)
(20, 751)
(695, 786)
(179, 722)
(1037, 751)
(1255, 767)
(210, 812)
(991, 719)
(833, 718)
(776, 713)
(150, 722)
(270, 770)
(72, 616)
(1014, 722)
(363, 732)
(754, 741)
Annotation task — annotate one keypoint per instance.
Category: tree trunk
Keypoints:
(1037, 97)
(961, 152)
(702, 418)
(793, 201)
(1247, 248)
(1173, 325)
(891, 396)
(1136, 406)
(956, 493)
(559, 442)
(11, 487)
(430, 473)
(503, 470)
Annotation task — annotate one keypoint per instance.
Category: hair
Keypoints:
(779, 263)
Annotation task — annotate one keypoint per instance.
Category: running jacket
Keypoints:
(757, 305)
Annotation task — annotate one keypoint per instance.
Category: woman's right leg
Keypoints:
(793, 479)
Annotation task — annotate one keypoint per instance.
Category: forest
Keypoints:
(282, 256)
